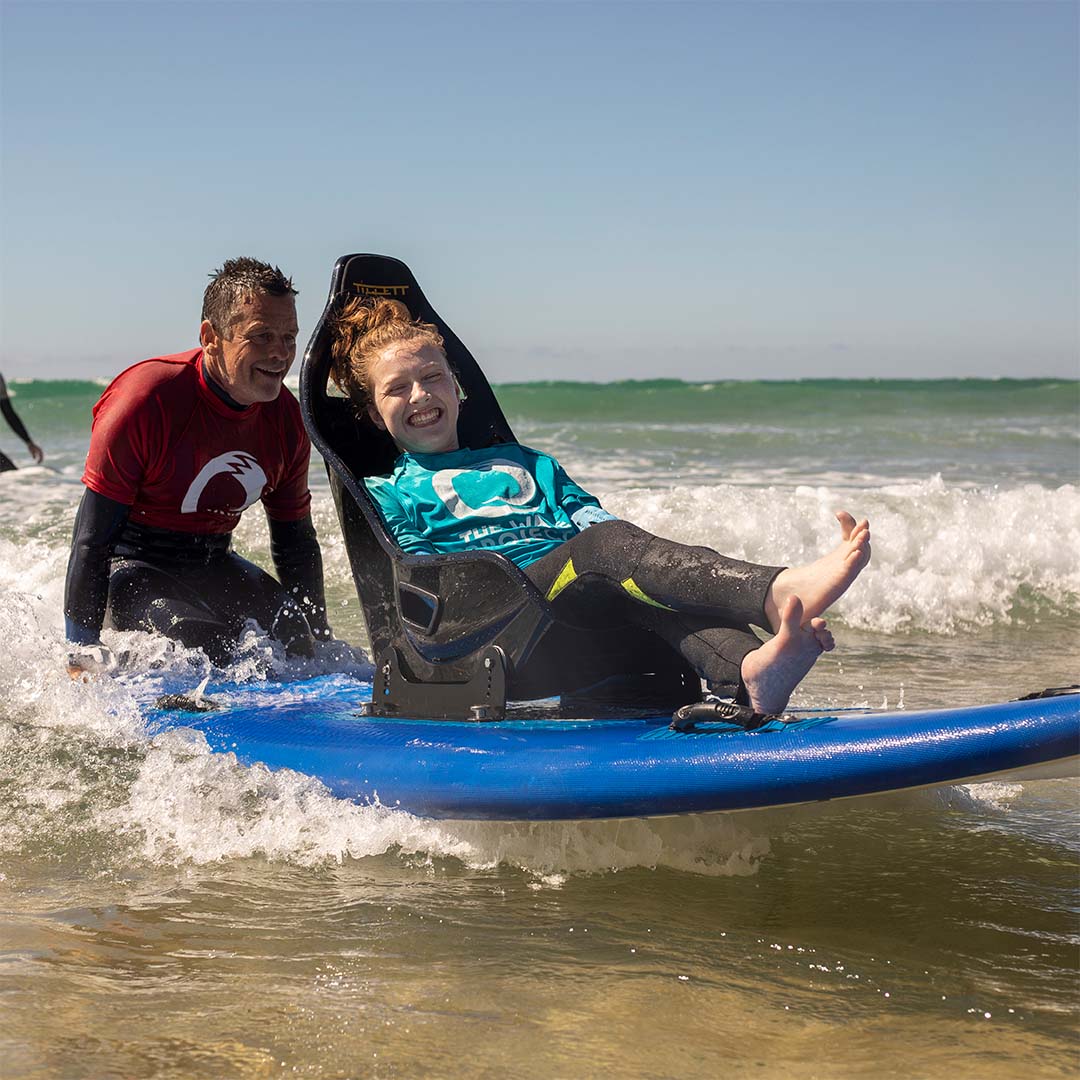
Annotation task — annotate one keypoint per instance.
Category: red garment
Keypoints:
(166, 445)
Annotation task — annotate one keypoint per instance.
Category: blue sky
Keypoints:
(584, 190)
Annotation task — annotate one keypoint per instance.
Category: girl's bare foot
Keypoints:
(821, 583)
(772, 672)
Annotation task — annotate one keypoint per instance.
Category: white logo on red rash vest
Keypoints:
(242, 467)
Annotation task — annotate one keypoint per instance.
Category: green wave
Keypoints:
(785, 402)
(675, 401)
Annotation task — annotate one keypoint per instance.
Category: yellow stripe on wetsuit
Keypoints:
(631, 586)
(568, 575)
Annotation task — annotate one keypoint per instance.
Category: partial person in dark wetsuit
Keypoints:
(520, 503)
(181, 445)
(6, 464)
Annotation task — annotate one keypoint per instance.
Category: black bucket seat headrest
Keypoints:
(363, 447)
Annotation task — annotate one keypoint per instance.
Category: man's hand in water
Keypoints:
(36, 452)
(86, 661)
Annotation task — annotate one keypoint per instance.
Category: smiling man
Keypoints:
(181, 445)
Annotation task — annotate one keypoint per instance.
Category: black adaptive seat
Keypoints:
(456, 636)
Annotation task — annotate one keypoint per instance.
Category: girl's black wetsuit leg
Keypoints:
(205, 606)
(702, 603)
(6, 464)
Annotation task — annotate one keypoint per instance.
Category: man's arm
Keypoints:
(86, 590)
(294, 547)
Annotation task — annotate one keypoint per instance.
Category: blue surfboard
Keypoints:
(528, 769)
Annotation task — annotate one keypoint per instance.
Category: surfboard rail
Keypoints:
(535, 769)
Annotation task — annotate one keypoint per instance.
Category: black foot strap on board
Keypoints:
(186, 703)
(1051, 691)
(722, 712)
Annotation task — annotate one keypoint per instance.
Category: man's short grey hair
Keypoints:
(237, 280)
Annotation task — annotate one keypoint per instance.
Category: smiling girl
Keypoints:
(521, 504)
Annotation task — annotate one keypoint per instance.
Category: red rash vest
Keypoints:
(166, 445)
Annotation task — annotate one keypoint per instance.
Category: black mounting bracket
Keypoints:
(480, 697)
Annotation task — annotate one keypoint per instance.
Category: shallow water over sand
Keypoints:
(896, 938)
(168, 913)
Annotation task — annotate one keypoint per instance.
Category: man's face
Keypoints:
(252, 359)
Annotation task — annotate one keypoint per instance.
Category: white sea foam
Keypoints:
(188, 804)
(82, 772)
(944, 558)
(168, 800)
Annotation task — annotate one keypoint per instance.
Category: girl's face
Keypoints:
(414, 397)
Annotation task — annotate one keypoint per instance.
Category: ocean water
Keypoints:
(169, 913)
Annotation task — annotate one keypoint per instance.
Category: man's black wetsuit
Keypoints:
(194, 589)
(156, 461)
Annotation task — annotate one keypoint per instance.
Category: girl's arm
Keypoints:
(399, 523)
(584, 509)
